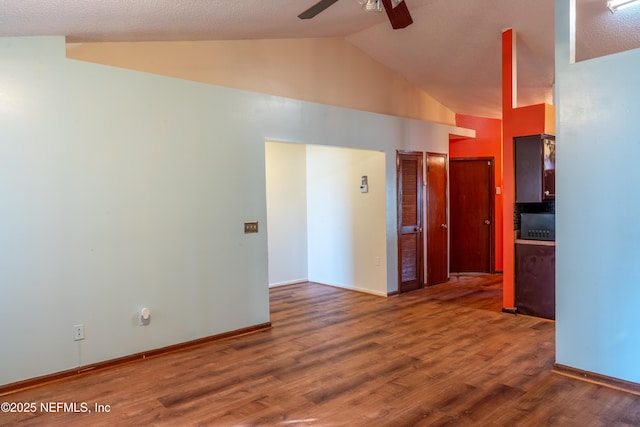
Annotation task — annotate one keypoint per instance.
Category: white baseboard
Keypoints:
(288, 282)
(352, 288)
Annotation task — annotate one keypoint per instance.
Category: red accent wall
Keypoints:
(487, 143)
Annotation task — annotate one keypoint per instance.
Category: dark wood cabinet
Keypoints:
(535, 279)
(535, 168)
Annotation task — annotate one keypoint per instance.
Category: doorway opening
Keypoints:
(321, 226)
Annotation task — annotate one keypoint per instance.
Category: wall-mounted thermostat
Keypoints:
(364, 185)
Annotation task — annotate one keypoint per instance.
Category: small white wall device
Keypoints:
(364, 186)
(145, 316)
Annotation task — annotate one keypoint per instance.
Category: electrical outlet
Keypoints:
(78, 332)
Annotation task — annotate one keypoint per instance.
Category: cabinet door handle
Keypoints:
(444, 226)
(546, 193)
(418, 229)
(487, 222)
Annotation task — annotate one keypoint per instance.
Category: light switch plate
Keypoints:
(250, 227)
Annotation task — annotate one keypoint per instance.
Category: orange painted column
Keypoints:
(508, 188)
(516, 121)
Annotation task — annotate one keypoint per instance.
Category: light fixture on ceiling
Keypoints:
(376, 5)
(616, 5)
(371, 5)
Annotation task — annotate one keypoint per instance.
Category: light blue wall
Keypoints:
(598, 209)
(115, 195)
(120, 189)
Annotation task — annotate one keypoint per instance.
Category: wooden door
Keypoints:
(437, 224)
(471, 226)
(410, 240)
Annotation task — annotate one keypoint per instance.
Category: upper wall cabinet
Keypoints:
(535, 168)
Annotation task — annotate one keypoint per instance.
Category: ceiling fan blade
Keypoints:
(316, 9)
(399, 16)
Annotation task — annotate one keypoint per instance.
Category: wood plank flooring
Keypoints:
(439, 356)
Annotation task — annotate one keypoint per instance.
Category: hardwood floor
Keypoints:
(439, 356)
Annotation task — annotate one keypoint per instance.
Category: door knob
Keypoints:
(486, 221)
(443, 225)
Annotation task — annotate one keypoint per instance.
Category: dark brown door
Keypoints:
(437, 228)
(409, 221)
(471, 188)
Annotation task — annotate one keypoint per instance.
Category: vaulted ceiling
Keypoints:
(452, 50)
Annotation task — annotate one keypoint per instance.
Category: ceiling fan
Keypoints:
(397, 10)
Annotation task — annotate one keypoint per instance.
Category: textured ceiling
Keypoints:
(452, 51)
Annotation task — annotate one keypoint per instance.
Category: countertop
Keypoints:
(535, 242)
